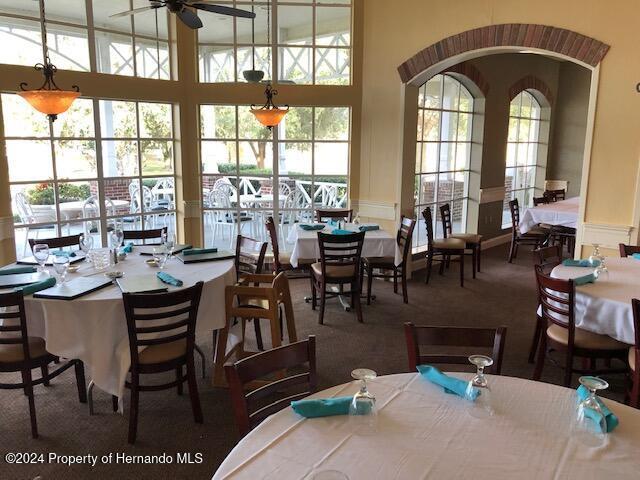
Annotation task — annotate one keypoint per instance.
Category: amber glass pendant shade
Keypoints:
(50, 102)
(269, 115)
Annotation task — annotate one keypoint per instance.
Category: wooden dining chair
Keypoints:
(556, 298)
(57, 242)
(21, 353)
(144, 235)
(537, 236)
(555, 195)
(634, 358)
(540, 201)
(473, 241)
(490, 340)
(442, 247)
(628, 250)
(253, 406)
(340, 263)
(282, 260)
(162, 331)
(322, 215)
(550, 256)
(387, 264)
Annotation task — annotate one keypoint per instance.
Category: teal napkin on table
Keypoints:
(36, 287)
(569, 262)
(199, 251)
(610, 418)
(337, 231)
(322, 407)
(591, 278)
(636, 256)
(315, 226)
(62, 253)
(17, 270)
(169, 279)
(369, 228)
(450, 384)
(128, 248)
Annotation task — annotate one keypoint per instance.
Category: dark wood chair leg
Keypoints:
(194, 396)
(542, 351)
(133, 410)
(568, 369)
(634, 401)
(323, 299)
(44, 370)
(429, 265)
(178, 379)
(313, 293)
(369, 283)
(114, 403)
(473, 261)
(355, 295)
(515, 251)
(536, 340)
(80, 381)
(28, 388)
(199, 351)
(462, 269)
(395, 281)
(258, 330)
(512, 250)
(479, 255)
(405, 294)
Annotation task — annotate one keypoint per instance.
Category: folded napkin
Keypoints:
(369, 228)
(450, 384)
(169, 279)
(569, 262)
(17, 270)
(591, 278)
(636, 256)
(36, 287)
(610, 418)
(315, 226)
(199, 251)
(62, 253)
(128, 248)
(322, 407)
(337, 231)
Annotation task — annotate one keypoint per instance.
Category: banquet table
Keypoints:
(604, 307)
(93, 328)
(563, 213)
(424, 433)
(377, 243)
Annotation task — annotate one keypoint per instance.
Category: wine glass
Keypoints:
(601, 271)
(169, 240)
(362, 410)
(86, 244)
(478, 388)
(41, 254)
(117, 237)
(160, 255)
(590, 425)
(61, 266)
(356, 219)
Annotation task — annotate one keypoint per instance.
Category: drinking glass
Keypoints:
(587, 430)
(86, 244)
(482, 407)
(356, 219)
(160, 255)
(117, 237)
(362, 410)
(41, 254)
(601, 272)
(169, 240)
(61, 266)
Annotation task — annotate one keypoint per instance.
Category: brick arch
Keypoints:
(472, 73)
(530, 82)
(571, 44)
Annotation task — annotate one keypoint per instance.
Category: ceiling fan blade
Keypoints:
(131, 12)
(234, 12)
(189, 18)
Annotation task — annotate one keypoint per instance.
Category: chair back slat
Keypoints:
(345, 214)
(555, 195)
(404, 236)
(278, 385)
(14, 332)
(57, 242)
(628, 250)
(250, 255)
(514, 208)
(145, 235)
(549, 257)
(340, 250)
(557, 299)
(428, 220)
(264, 412)
(273, 237)
(540, 201)
(445, 216)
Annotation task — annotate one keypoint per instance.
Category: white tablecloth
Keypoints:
(377, 243)
(604, 307)
(563, 213)
(425, 433)
(93, 328)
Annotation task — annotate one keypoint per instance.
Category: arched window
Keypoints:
(443, 153)
(526, 152)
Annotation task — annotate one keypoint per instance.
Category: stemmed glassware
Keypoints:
(117, 237)
(86, 244)
(597, 259)
(160, 255)
(362, 410)
(590, 423)
(169, 241)
(41, 254)
(482, 405)
(61, 266)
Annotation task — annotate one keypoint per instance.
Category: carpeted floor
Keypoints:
(503, 294)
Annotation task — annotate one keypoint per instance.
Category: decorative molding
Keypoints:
(608, 236)
(379, 210)
(531, 82)
(192, 208)
(495, 241)
(473, 74)
(6, 228)
(492, 194)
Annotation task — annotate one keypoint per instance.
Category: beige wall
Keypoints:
(394, 31)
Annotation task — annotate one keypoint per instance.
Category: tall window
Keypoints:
(526, 152)
(312, 41)
(443, 153)
(241, 183)
(83, 174)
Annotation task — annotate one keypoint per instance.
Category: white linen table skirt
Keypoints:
(563, 213)
(424, 433)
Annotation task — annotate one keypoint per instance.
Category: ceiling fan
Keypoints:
(187, 16)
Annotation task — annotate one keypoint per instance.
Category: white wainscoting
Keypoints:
(608, 236)
(6, 228)
(378, 210)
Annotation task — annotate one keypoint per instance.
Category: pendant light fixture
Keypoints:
(253, 75)
(269, 114)
(49, 98)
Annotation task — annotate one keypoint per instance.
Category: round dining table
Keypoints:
(425, 433)
(93, 327)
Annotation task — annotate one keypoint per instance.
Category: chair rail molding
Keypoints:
(373, 209)
(492, 194)
(6, 228)
(608, 236)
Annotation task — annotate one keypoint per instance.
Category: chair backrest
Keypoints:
(403, 238)
(13, 322)
(635, 306)
(556, 298)
(540, 201)
(345, 214)
(556, 184)
(555, 195)
(514, 208)
(341, 251)
(161, 318)
(145, 235)
(25, 212)
(628, 250)
(283, 190)
(91, 207)
(253, 407)
(490, 339)
(220, 195)
(445, 217)
(250, 255)
(58, 242)
(428, 220)
(549, 256)
(273, 237)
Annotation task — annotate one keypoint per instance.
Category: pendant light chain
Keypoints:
(43, 20)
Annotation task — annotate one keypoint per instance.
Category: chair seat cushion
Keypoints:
(163, 352)
(449, 243)
(334, 271)
(12, 353)
(253, 302)
(632, 358)
(381, 262)
(467, 237)
(285, 258)
(585, 339)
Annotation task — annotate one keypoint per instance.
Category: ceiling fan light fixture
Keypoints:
(269, 115)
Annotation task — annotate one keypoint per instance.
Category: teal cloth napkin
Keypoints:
(636, 256)
(337, 231)
(17, 270)
(36, 287)
(569, 262)
(128, 248)
(315, 226)
(610, 418)
(322, 407)
(170, 279)
(591, 278)
(450, 384)
(199, 251)
(369, 228)
(62, 253)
